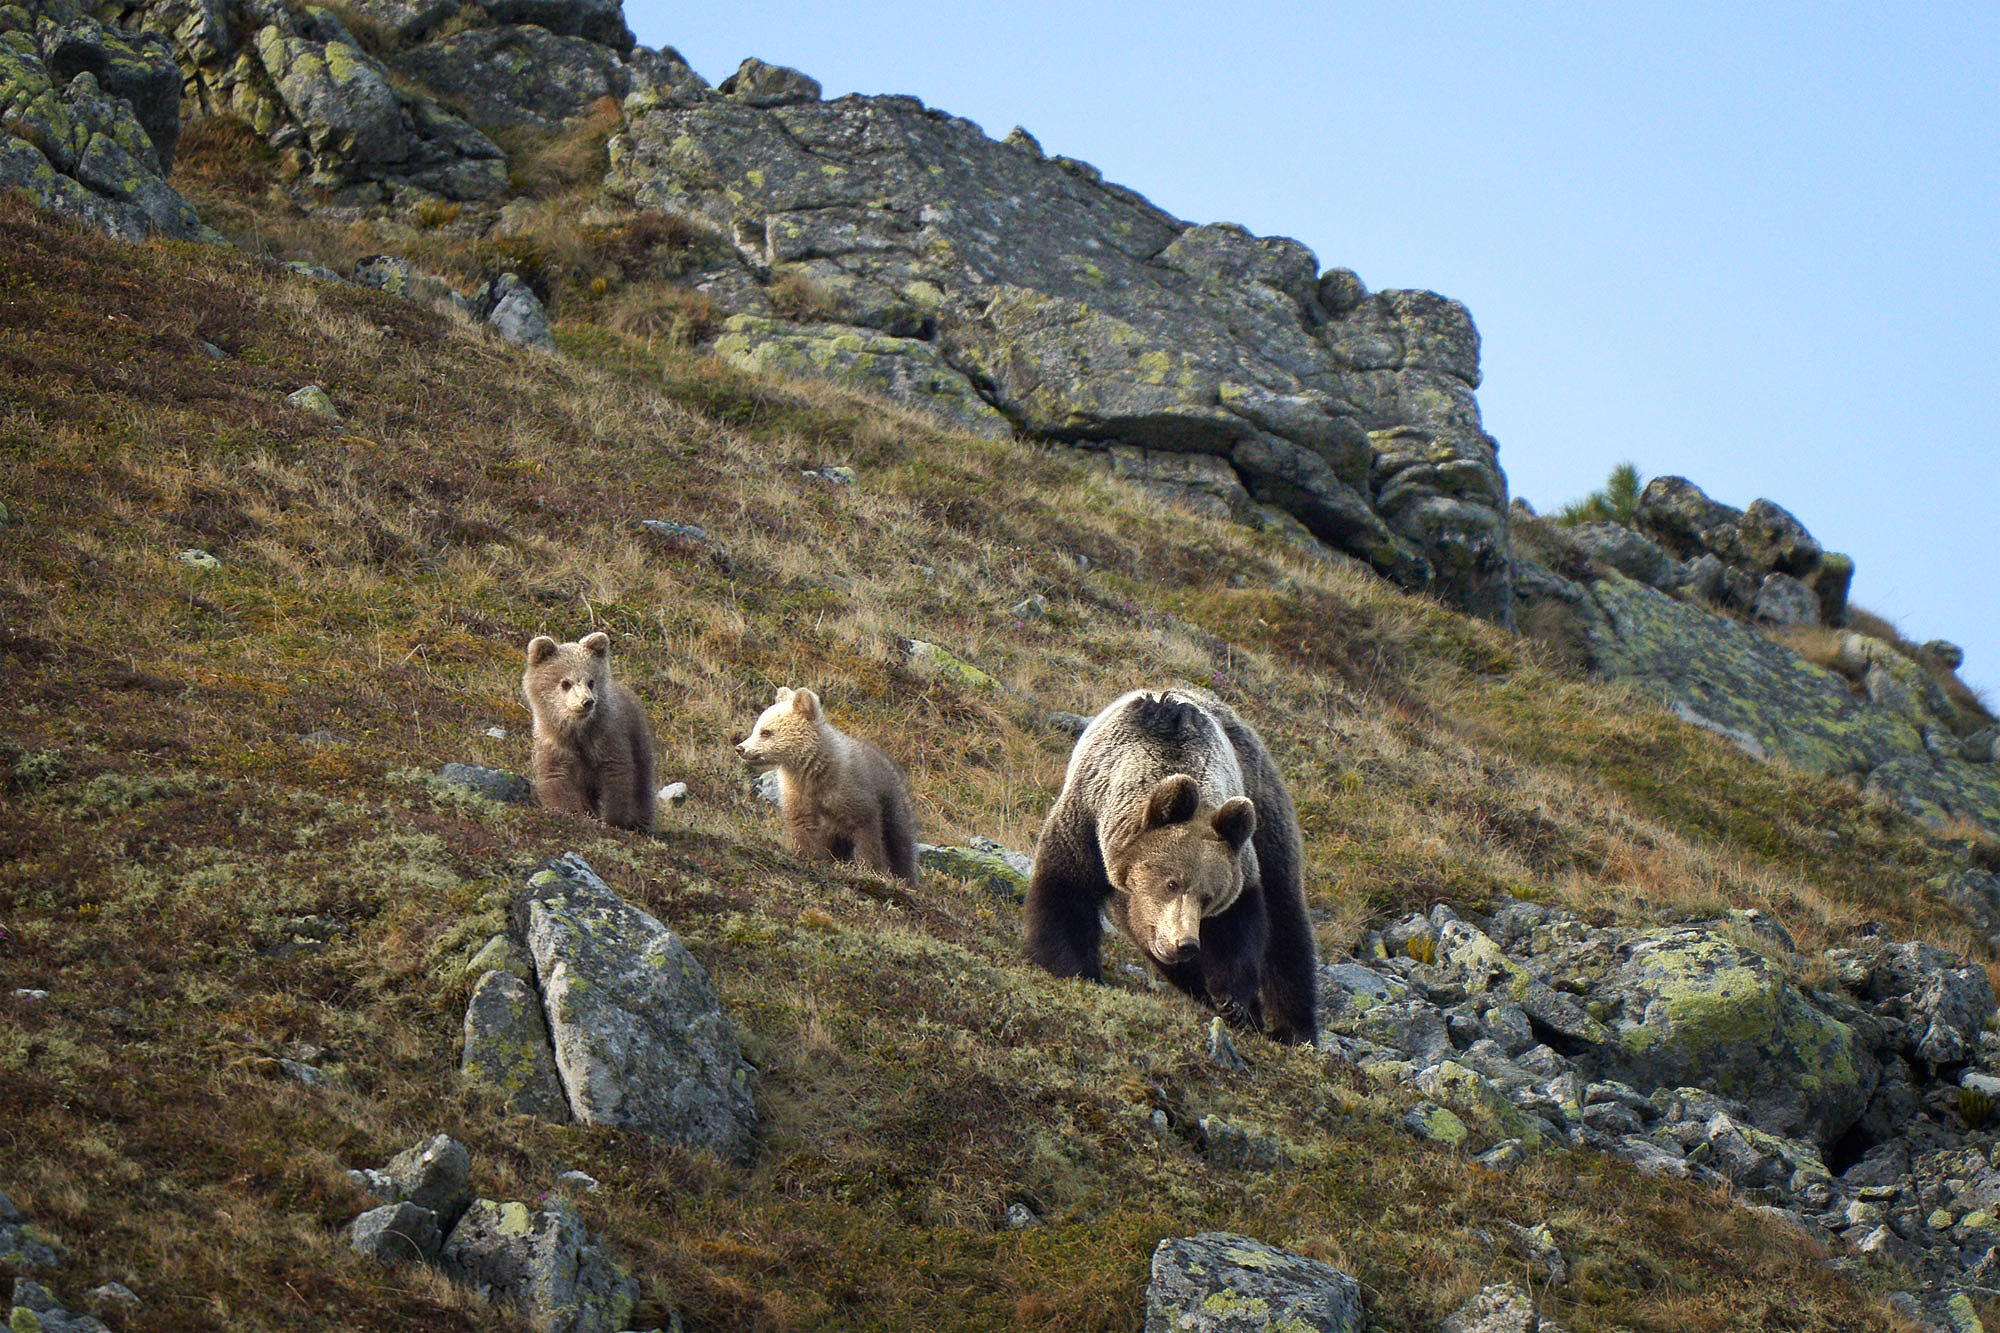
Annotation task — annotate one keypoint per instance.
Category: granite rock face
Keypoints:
(89, 119)
(1048, 301)
(543, 1261)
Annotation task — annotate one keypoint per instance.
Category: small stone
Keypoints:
(8, 1212)
(1221, 1050)
(1501, 1308)
(199, 558)
(31, 995)
(497, 733)
(839, 476)
(516, 313)
(492, 783)
(1070, 724)
(113, 1293)
(1945, 653)
(674, 794)
(769, 788)
(1940, 1219)
(434, 1175)
(578, 1180)
(1503, 1156)
(322, 738)
(1429, 1121)
(1020, 1217)
(1862, 1213)
(303, 1073)
(1033, 607)
(942, 663)
(396, 1233)
(676, 532)
(214, 353)
(312, 398)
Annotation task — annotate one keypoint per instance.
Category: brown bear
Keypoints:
(593, 750)
(841, 797)
(1174, 818)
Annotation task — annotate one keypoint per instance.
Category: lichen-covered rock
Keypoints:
(981, 869)
(518, 75)
(1695, 1009)
(1500, 1308)
(1080, 313)
(543, 1261)
(492, 783)
(36, 1310)
(640, 1039)
(307, 86)
(435, 1175)
(516, 313)
(1745, 685)
(1786, 603)
(507, 1047)
(905, 369)
(396, 1233)
(1615, 546)
(1216, 1282)
(89, 118)
(1943, 1001)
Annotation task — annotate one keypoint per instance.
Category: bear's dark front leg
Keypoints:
(1064, 896)
(1231, 961)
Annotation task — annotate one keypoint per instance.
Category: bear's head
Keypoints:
(1179, 862)
(565, 682)
(786, 735)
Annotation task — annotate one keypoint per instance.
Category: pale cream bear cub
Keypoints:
(593, 749)
(841, 797)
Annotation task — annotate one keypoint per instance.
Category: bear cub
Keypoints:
(1174, 820)
(593, 750)
(840, 797)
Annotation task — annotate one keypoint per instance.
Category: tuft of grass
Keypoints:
(1616, 502)
(542, 164)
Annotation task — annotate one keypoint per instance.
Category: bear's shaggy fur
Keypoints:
(841, 797)
(1174, 818)
(593, 750)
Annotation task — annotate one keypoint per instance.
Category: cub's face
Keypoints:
(1184, 863)
(565, 682)
(785, 734)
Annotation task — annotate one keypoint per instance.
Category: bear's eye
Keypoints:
(565, 684)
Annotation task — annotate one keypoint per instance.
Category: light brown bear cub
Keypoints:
(593, 750)
(841, 797)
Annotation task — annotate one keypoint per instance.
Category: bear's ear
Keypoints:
(1173, 800)
(806, 704)
(784, 694)
(540, 649)
(1235, 821)
(597, 645)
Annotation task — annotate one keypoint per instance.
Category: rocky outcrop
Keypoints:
(1686, 1052)
(334, 114)
(1881, 719)
(1216, 1282)
(89, 118)
(988, 281)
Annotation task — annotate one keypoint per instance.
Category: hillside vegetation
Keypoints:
(202, 762)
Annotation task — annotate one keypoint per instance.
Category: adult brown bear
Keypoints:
(1173, 817)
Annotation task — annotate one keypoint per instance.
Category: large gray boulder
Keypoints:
(515, 312)
(524, 75)
(1216, 1282)
(89, 118)
(1615, 546)
(396, 1233)
(1943, 1000)
(640, 1038)
(543, 1261)
(1078, 312)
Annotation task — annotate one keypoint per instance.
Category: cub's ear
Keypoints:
(806, 704)
(784, 694)
(1235, 821)
(1173, 800)
(540, 649)
(597, 645)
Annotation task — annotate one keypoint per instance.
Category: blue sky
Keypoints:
(1754, 245)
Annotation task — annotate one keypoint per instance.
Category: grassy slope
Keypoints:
(163, 818)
